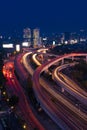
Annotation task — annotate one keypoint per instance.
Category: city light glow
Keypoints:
(7, 45)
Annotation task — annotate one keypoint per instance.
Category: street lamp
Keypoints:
(24, 126)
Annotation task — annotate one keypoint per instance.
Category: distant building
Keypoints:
(44, 40)
(83, 36)
(62, 38)
(27, 35)
(36, 37)
(67, 36)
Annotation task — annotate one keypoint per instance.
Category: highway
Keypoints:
(24, 107)
(31, 72)
(25, 58)
(43, 68)
(69, 85)
(76, 118)
(26, 64)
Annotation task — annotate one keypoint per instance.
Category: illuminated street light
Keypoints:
(24, 126)
(4, 93)
(7, 99)
(12, 107)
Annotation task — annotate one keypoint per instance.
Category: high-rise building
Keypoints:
(27, 35)
(36, 37)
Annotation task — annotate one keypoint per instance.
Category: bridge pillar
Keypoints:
(62, 61)
(72, 58)
(52, 76)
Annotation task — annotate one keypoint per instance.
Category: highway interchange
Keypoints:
(55, 103)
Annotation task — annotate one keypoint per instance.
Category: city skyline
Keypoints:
(49, 16)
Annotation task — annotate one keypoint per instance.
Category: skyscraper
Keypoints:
(36, 37)
(27, 35)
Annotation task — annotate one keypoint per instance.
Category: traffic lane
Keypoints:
(37, 85)
(24, 102)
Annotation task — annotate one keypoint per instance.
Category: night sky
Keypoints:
(48, 15)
